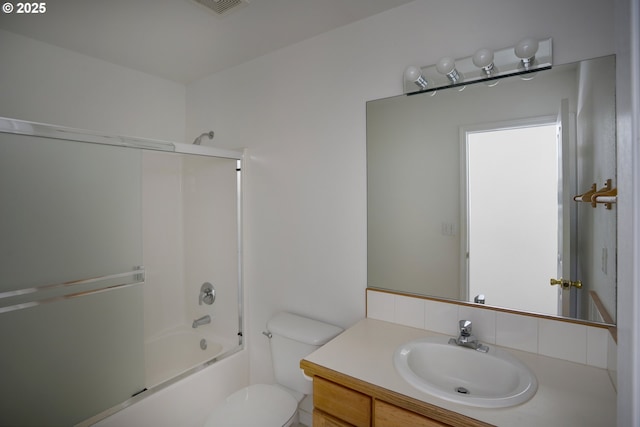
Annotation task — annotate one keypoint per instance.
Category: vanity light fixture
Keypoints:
(447, 66)
(414, 74)
(486, 65)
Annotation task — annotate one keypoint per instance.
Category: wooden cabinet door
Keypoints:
(387, 415)
(341, 402)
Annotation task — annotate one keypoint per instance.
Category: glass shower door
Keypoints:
(71, 310)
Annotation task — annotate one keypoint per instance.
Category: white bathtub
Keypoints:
(186, 403)
(219, 370)
(177, 351)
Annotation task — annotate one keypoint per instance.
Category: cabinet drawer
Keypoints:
(320, 419)
(387, 415)
(341, 402)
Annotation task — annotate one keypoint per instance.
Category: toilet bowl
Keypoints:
(292, 338)
(256, 405)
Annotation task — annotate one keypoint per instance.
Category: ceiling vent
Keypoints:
(222, 7)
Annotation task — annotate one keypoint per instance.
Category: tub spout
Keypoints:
(201, 321)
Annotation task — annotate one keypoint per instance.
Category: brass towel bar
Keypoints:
(606, 195)
(566, 283)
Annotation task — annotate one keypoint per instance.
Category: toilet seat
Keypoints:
(257, 405)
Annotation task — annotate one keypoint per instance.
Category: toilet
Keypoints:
(292, 338)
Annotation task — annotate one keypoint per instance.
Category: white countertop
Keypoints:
(569, 394)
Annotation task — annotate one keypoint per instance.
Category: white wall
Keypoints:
(301, 113)
(47, 84)
(628, 145)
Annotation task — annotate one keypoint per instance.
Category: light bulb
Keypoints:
(526, 48)
(447, 66)
(483, 58)
(414, 74)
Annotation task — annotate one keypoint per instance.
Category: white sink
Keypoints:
(495, 379)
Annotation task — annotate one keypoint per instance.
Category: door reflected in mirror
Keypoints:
(435, 167)
(512, 197)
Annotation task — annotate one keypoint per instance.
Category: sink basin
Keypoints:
(495, 379)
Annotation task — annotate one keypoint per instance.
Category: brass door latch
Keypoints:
(566, 283)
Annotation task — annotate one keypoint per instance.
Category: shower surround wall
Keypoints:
(189, 207)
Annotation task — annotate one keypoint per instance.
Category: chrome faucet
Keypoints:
(467, 339)
(201, 321)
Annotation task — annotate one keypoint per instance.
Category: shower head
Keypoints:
(198, 139)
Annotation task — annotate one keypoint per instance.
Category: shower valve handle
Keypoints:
(207, 294)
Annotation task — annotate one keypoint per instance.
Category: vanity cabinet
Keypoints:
(343, 401)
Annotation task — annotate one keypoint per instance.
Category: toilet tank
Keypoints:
(293, 338)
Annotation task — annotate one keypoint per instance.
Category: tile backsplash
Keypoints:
(590, 345)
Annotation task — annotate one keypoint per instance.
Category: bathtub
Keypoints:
(185, 403)
(174, 352)
(179, 374)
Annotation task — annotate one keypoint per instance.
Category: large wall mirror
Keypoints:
(471, 192)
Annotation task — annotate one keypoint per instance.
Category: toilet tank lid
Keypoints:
(302, 329)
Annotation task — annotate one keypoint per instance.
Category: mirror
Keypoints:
(423, 199)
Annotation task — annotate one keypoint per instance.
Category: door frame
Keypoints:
(568, 299)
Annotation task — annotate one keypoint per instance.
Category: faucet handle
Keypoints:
(207, 294)
(465, 327)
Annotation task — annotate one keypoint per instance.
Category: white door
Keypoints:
(511, 205)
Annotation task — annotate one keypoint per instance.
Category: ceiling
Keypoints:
(182, 40)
